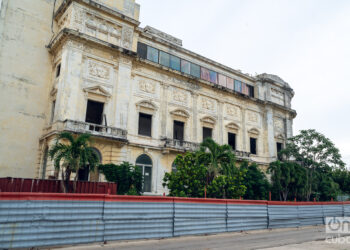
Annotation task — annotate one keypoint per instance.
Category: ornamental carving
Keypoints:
(253, 117)
(232, 110)
(278, 124)
(208, 120)
(127, 34)
(179, 96)
(207, 104)
(179, 112)
(97, 70)
(147, 86)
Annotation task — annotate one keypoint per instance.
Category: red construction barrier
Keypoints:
(54, 186)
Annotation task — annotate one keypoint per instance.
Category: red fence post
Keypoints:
(269, 195)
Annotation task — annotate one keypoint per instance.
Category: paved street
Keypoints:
(302, 238)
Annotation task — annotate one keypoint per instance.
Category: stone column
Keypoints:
(244, 131)
(220, 122)
(123, 92)
(271, 143)
(194, 116)
(164, 110)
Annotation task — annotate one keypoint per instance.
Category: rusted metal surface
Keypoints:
(54, 186)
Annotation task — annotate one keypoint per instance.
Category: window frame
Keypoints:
(150, 129)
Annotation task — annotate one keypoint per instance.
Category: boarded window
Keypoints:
(232, 140)
(145, 124)
(185, 66)
(195, 70)
(164, 59)
(142, 50)
(207, 132)
(179, 130)
(94, 112)
(152, 54)
(175, 62)
(253, 148)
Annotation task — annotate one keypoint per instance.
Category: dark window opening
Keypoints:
(53, 111)
(142, 50)
(58, 70)
(253, 146)
(179, 130)
(207, 132)
(94, 112)
(251, 90)
(145, 124)
(144, 164)
(279, 147)
(83, 174)
(232, 140)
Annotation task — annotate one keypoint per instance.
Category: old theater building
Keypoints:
(142, 96)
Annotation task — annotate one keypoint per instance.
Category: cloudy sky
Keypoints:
(305, 42)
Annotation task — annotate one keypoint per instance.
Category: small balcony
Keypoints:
(242, 154)
(180, 145)
(89, 128)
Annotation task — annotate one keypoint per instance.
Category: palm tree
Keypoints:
(71, 156)
(219, 159)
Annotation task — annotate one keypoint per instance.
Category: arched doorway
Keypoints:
(84, 173)
(144, 163)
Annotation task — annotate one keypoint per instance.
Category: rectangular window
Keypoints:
(245, 89)
(251, 90)
(58, 70)
(164, 59)
(279, 147)
(222, 80)
(213, 76)
(253, 146)
(152, 54)
(94, 112)
(205, 75)
(232, 140)
(238, 86)
(195, 70)
(145, 124)
(207, 132)
(229, 83)
(174, 62)
(53, 111)
(185, 66)
(142, 50)
(179, 130)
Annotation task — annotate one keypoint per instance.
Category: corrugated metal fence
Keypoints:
(42, 219)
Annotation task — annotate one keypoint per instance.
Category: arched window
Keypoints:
(144, 162)
(83, 173)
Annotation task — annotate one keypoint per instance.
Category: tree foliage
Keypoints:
(127, 176)
(70, 154)
(256, 182)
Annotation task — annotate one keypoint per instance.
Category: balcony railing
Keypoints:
(181, 145)
(90, 128)
(242, 154)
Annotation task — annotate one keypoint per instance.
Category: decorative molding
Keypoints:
(208, 104)
(99, 70)
(280, 137)
(232, 126)
(147, 86)
(97, 90)
(147, 105)
(179, 95)
(208, 120)
(180, 112)
(254, 131)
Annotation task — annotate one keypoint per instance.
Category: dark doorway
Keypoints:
(83, 173)
(144, 163)
(232, 140)
(145, 124)
(94, 112)
(179, 130)
(253, 146)
(207, 132)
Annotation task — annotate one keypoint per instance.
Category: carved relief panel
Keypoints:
(179, 96)
(97, 73)
(278, 125)
(208, 104)
(147, 86)
(253, 117)
(233, 111)
(277, 96)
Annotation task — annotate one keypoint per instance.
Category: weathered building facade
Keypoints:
(87, 67)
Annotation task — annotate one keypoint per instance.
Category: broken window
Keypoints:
(232, 140)
(207, 132)
(94, 112)
(58, 70)
(142, 50)
(253, 146)
(145, 124)
(179, 130)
